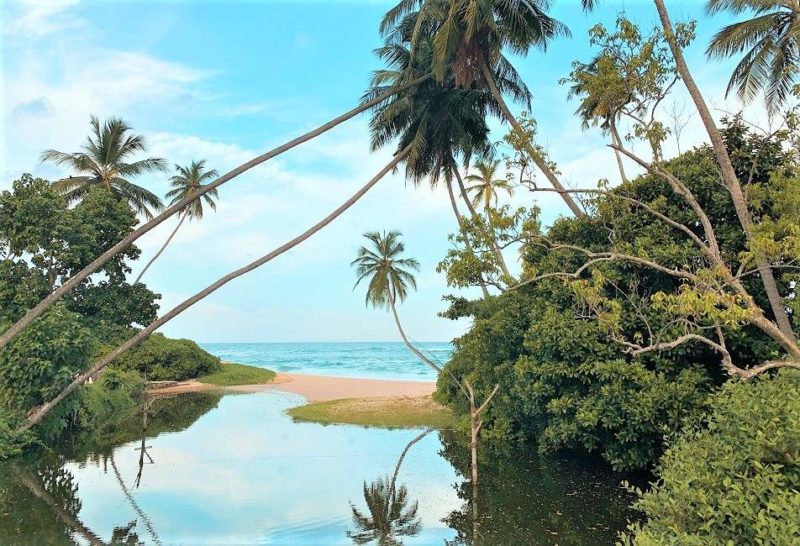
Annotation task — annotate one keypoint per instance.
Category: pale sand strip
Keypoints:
(318, 388)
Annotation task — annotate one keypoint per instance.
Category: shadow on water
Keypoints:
(526, 498)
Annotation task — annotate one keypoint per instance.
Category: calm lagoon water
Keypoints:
(372, 360)
(234, 469)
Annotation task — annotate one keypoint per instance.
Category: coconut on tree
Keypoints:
(189, 181)
(107, 160)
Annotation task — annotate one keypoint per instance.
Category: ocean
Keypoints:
(369, 360)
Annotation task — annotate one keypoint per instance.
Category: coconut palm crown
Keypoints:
(104, 162)
(487, 184)
(389, 275)
(188, 181)
(770, 41)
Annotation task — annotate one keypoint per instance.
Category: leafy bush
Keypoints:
(113, 395)
(737, 479)
(159, 358)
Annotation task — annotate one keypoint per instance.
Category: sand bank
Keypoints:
(318, 388)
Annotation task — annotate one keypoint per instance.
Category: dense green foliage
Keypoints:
(566, 380)
(229, 374)
(43, 241)
(736, 479)
(159, 358)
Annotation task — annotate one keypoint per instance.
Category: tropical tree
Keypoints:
(770, 41)
(485, 191)
(76, 279)
(390, 278)
(104, 162)
(487, 185)
(187, 182)
(469, 37)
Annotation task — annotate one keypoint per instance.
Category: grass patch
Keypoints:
(238, 374)
(388, 412)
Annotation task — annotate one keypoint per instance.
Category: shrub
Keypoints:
(736, 480)
(113, 395)
(159, 358)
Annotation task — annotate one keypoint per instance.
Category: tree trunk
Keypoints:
(76, 279)
(39, 413)
(160, 250)
(460, 220)
(464, 195)
(617, 142)
(474, 427)
(728, 173)
(532, 152)
(408, 343)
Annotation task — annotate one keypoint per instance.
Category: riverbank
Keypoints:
(344, 400)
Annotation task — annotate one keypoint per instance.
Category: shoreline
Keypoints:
(315, 388)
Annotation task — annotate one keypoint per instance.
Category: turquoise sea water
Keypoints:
(371, 360)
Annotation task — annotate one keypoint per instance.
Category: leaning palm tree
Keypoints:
(187, 182)
(770, 41)
(104, 162)
(390, 278)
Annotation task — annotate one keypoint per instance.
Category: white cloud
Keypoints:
(36, 18)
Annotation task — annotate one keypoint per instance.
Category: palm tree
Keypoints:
(188, 181)
(486, 188)
(390, 278)
(469, 37)
(104, 162)
(770, 42)
(68, 285)
(604, 108)
(390, 515)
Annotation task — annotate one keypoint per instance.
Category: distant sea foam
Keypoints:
(371, 360)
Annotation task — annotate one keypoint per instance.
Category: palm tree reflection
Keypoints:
(390, 514)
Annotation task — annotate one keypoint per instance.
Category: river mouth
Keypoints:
(234, 469)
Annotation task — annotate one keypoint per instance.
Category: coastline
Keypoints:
(316, 388)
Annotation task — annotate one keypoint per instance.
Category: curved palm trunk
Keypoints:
(160, 250)
(728, 172)
(617, 141)
(460, 220)
(39, 413)
(535, 155)
(76, 279)
(408, 343)
(464, 195)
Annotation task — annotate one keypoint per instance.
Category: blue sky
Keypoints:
(225, 81)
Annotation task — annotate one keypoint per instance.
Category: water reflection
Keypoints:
(238, 470)
(391, 515)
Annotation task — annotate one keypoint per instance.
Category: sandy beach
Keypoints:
(319, 388)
